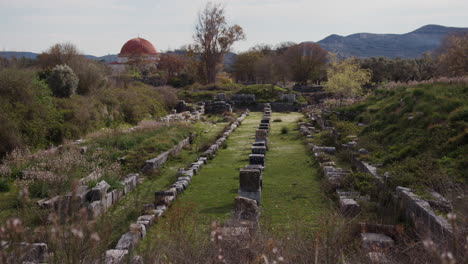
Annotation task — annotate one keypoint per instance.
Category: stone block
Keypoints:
(116, 256)
(245, 209)
(95, 209)
(349, 207)
(98, 192)
(259, 144)
(254, 167)
(328, 150)
(128, 241)
(375, 242)
(250, 180)
(162, 197)
(34, 253)
(261, 134)
(256, 195)
(257, 159)
(117, 195)
(184, 178)
(108, 201)
(148, 218)
(52, 203)
(258, 150)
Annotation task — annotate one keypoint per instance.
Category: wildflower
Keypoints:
(95, 237)
(77, 232)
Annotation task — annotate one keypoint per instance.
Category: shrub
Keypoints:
(278, 120)
(28, 115)
(63, 81)
(284, 130)
(4, 185)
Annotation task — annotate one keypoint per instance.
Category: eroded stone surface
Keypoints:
(245, 209)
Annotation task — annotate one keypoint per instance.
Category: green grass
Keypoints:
(291, 191)
(212, 191)
(291, 186)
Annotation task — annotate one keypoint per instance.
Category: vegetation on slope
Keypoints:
(418, 133)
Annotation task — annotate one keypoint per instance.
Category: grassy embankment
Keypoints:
(419, 134)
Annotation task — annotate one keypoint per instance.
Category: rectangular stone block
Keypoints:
(259, 144)
(349, 207)
(128, 241)
(257, 195)
(257, 159)
(250, 180)
(261, 134)
(162, 197)
(254, 167)
(258, 150)
(265, 120)
(376, 242)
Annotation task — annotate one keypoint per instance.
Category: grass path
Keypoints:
(291, 187)
(211, 193)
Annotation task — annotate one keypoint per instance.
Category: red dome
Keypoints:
(137, 46)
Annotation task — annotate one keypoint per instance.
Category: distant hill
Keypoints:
(409, 45)
(228, 59)
(32, 55)
(18, 54)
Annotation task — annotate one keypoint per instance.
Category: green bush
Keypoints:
(284, 130)
(28, 116)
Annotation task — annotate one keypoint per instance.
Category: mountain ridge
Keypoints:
(407, 45)
(412, 44)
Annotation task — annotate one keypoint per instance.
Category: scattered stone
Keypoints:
(128, 241)
(376, 242)
(98, 192)
(363, 151)
(116, 256)
(349, 207)
(246, 209)
(163, 197)
(83, 150)
(440, 203)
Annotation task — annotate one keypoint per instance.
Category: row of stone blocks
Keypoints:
(163, 199)
(250, 177)
(97, 199)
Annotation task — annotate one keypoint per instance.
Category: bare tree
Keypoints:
(214, 38)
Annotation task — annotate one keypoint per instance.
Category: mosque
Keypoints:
(136, 52)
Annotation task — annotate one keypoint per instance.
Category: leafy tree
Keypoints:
(214, 38)
(346, 78)
(243, 68)
(62, 81)
(307, 61)
(453, 55)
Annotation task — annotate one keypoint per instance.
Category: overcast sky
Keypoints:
(101, 27)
